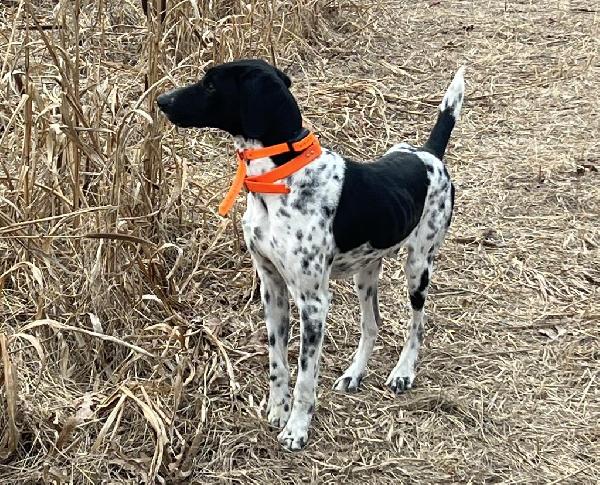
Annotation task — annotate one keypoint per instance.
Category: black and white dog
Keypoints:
(339, 220)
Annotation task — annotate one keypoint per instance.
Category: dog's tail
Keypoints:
(448, 115)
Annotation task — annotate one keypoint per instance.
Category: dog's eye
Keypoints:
(209, 86)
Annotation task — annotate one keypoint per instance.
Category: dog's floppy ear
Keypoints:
(264, 99)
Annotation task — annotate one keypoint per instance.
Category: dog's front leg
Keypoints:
(275, 300)
(313, 302)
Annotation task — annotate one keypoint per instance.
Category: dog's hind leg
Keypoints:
(422, 249)
(418, 274)
(366, 288)
(275, 300)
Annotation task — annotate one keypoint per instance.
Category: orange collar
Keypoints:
(309, 149)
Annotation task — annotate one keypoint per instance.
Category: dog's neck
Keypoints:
(262, 165)
(259, 165)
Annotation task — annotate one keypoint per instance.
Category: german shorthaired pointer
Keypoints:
(329, 217)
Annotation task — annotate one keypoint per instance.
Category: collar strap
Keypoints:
(271, 151)
(309, 149)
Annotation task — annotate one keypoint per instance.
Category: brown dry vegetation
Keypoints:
(131, 340)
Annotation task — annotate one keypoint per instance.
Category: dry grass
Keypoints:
(132, 345)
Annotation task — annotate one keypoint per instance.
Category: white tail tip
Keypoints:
(455, 94)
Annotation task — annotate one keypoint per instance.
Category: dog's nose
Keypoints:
(164, 101)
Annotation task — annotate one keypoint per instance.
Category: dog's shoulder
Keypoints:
(316, 188)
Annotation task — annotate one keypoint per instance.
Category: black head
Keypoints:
(249, 98)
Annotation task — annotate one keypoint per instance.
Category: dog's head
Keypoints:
(248, 98)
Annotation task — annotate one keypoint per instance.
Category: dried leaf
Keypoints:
(35, 343)
(161, 435)
(96, 325)
(108, 424)
(214, 324)
(9, 441)
(144, 115)
(554, 332)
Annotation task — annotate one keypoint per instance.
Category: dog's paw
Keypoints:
(348, 383)
(278, 414)
(294, 436)
(401, 379)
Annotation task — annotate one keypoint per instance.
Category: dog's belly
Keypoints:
(347, 264)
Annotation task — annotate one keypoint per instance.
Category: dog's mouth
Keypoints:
(179, 123)
(176, 122)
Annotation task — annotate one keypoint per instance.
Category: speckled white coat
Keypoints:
(291, 240)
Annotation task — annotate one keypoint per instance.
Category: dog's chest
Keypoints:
(294, 231)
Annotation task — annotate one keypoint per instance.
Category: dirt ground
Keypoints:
(507, 385)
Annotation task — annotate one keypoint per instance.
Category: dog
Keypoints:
(334, 218)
